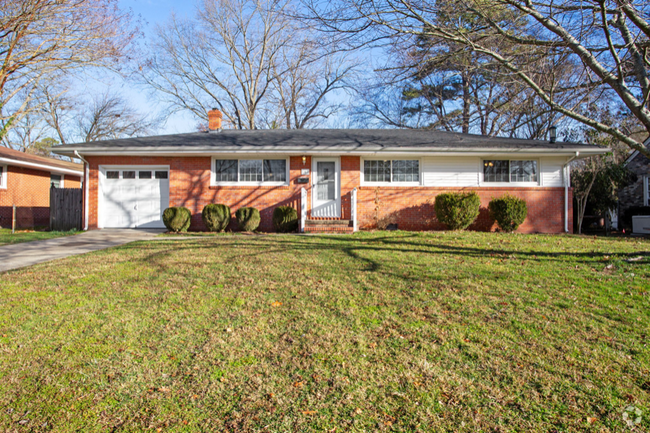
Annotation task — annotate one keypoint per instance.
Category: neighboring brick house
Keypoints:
(25, 181)
(393, 174)
(637, 194)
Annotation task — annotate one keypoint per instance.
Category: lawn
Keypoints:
(387, 331)
(6, 237)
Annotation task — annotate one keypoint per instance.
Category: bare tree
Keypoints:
(104, 116)
(42, 40)
(607, 40)
(249, 59)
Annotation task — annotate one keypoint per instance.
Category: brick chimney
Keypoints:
(214, 120)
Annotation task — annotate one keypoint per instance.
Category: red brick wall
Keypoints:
(189, 184)
(410, 207)
(29, 190)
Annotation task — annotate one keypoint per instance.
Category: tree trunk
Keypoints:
(466, 103)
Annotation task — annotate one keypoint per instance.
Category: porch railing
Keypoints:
(353, 213)
(303, 209)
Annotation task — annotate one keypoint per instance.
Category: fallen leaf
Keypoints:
(309, 412)
(276, 304)
(299, 384)
(591, 420)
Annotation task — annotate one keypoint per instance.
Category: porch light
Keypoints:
(304, 160)
(552, 133)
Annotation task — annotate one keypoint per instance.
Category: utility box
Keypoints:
(641, 224)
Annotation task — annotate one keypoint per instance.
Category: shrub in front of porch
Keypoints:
(248, 218)
(177, 219)
(457, 210)
(216, 217)
(285, 219)
(508, 211)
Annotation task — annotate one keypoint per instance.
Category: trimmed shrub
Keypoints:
(177, 219)
(285, 219)
(457, 210)
(508, 211)
(216, 217)
(248, 218)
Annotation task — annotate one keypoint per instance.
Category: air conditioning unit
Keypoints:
(641, 224)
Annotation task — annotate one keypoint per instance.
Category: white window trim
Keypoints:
(5, 175)
(482, 181)
(391, 183)
(213, 175)
(62, 179)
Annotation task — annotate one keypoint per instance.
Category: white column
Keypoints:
(303, 209)
(353, 204)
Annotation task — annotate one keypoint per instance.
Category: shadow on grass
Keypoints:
(358, 247)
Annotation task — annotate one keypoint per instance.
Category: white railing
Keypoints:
(303, 209)
(353, 205)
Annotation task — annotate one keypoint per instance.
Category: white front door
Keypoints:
(133, 197)
(326, 190)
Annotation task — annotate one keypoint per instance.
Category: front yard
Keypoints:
(387, 331)
(7, 238)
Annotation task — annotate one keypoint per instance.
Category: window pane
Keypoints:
(376, 171)
(55, 180)
(144, 175)
(250, 170)
(275, 170)
(161, 175)
(523, 171)
(225, 170)
(496, 171)
(1, 174)
(406, 171)
(112, 175)
(128, 175)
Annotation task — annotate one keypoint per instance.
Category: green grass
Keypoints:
(6, 238)
(372, 332)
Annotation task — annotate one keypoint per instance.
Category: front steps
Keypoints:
(329, 227)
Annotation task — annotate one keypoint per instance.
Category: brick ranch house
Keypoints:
(25, 181)
(349, 178)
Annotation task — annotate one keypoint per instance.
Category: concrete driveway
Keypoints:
(29, 253)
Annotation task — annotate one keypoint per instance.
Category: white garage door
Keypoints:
(133, 197)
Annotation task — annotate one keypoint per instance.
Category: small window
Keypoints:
(376, 171)
(398, 170)
(112, 175)
(128, 175)
(250, 170)
(406, 171)
(3, 177)
(161, 175)
(144, 175)
(523, 171)
(225, 170)
(509, 171)
(275, 170)
(55, 180)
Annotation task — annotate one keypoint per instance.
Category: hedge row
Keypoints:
(216, 218)
(459, 210)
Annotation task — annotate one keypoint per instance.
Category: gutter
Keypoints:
(43, 167)
(86, 188)
(565, 173)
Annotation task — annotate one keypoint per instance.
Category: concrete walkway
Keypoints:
(29, 253)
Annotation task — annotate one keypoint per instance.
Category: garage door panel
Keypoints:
(133, 202)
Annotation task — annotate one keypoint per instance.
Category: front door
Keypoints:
(326, 196)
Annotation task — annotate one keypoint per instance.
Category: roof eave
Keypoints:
(39, 166)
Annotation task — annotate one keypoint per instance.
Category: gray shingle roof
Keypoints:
(322, 140)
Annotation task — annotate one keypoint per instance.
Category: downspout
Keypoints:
(565, 173)
(86, 187)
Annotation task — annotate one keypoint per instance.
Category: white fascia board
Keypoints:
(336, 152)
(43, 167)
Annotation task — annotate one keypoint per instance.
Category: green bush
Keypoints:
(457, 210)
(508, 211)
(216, 217)
(248, 218)
(285, 219)
(177, 219)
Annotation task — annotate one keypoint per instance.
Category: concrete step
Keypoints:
(328, 223)
(328, 230)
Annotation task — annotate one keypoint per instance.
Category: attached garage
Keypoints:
(133, 196)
